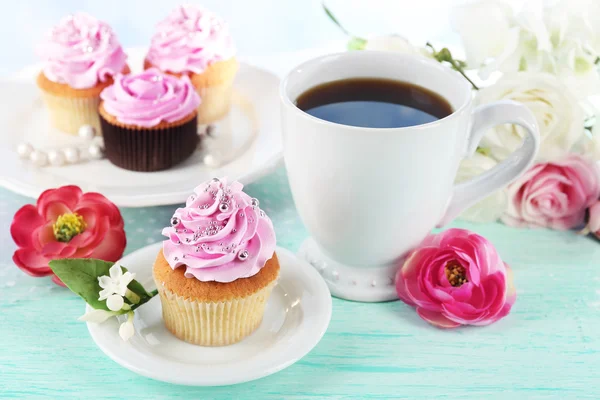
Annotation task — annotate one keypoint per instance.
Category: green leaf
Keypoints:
(357, 43)
(484, 151)
(138, 288)
(81, 276)
(523, 64)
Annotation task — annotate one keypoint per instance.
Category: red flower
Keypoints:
(66, 223)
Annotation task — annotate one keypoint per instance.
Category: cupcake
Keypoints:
(149, 120)
(194, 42)
(81, 56)
(218, 266)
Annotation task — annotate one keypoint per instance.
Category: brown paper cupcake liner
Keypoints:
(213, 323)
(149, 149)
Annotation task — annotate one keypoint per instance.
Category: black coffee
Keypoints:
(374, 103)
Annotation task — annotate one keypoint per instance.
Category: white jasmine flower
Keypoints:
(127, 330)
(97, 316)
(116, 283)
(115, 302)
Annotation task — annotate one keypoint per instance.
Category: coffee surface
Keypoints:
(374, 103)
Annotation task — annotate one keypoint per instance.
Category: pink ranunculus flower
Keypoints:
(553, 194)
(456, 278)
(66, 223)
(593, 225)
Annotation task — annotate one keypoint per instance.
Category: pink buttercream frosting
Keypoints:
(220, 235)
(81, 51)
(147, 98)
(189, 40)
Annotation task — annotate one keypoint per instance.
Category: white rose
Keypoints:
(575, 38)
(589, 145)
(498, 39)
(394, 43)
(560, 117)
(492, 207)
(561, 38)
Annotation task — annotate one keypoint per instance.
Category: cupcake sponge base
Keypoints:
(213, 324)
(213, 313)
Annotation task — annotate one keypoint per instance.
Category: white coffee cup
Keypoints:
(369, 195)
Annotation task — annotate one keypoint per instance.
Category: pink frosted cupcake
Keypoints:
(81, 54)
(149, 120)
(195, 42)
(218, 266)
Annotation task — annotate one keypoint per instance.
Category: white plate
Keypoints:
(246, 145)
(296, 317)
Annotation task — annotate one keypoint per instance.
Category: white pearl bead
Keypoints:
(56, 158)
(99, 141)
(95, 152)
(86, 132)
(213, 159)
(39, 158)
(24, 150)
(71, 154)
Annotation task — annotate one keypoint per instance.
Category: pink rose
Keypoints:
(554, 194)
(456, 278)
(593, 225)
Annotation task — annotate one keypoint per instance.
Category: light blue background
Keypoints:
(259, 26)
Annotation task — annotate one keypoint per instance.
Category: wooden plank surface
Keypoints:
(548, 347)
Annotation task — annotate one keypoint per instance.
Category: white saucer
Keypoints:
(296, 317)
(364, 283)
(245, 146)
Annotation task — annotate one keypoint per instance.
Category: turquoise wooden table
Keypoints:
(548, 347)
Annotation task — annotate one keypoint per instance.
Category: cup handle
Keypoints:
(467, 193)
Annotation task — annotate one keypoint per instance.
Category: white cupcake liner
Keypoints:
(213, 323)
(215, 102)
(68, 114)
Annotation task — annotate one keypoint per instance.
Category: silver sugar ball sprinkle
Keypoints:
(223, 207)
(243, 255)
(254, 202)
(174, 221)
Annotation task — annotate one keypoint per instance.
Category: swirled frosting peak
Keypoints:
(81, 51)
(189, 40)
(147, 98)
(220, 235)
